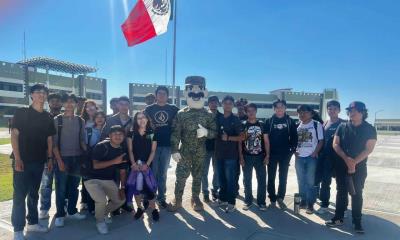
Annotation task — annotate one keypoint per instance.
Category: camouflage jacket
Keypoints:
(184, 129)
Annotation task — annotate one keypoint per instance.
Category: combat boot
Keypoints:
(197, 205)
(175, 205)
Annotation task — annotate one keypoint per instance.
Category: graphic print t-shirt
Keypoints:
(307, 138)
(254, 138)
(161, 118)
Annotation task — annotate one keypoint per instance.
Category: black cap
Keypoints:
(213, 98)
(359, 106)
(195, 80)
(333, 103)
(116, 128)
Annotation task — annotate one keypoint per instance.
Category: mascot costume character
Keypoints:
(191, 127)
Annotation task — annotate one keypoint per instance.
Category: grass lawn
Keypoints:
(5, 141)
(5, 178)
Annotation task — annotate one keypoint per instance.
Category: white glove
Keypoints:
(201, 131)
(176, 156)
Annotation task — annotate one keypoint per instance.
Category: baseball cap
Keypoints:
(116, 128)
(359, 106)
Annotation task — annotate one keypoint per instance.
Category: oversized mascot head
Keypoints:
(195, 91)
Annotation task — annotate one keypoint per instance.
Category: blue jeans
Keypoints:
(256, 162)
(46, 188)
(67, 184)
(26, 184)
(305, 171)
(160, 168)
(227, 172)
(204, 179)
(323, 179)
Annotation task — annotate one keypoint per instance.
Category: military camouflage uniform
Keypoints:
(192, 149)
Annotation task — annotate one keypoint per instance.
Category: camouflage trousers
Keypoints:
(189, 165)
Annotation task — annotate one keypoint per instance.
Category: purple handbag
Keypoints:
(148, 179)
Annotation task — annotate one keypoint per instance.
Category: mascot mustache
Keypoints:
(196, 95)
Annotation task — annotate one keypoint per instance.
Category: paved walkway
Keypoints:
(381, 214)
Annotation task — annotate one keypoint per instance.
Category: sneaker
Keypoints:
(358, 228)
(83, 207)
(59, 222)
(36, 228)
(156, 215)
(77, 216)
(44, 214)
(102, 227)
(230, 208)
(272, 205)
(334, 223)
(247, 206)
(139, 213)
(145, 204)
(19, 235)
(262, 207)
(127, 208)
(322, 210)
(281, 204)
(116, 212)
(163, 204)
(310, 210)
(206, 199)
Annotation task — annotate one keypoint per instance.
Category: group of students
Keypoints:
(118, 158)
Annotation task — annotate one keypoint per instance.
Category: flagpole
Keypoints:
(174, 54)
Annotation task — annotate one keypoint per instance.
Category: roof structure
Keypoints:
(58, 65)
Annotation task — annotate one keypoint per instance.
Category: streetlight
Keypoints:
(375, 116)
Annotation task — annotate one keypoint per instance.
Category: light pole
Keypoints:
(375, 117)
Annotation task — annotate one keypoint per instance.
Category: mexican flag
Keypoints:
(148, 19)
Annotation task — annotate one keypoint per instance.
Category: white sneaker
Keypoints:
(102, 227)
(230, 208)
(77, 216)
(19, 235)
(36, 228)
(44, 214)
(59, 222)
(322, 210)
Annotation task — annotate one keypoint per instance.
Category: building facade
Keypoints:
(317, 101)
(388, 125)
(17, 78)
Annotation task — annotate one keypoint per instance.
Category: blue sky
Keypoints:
(240, 46)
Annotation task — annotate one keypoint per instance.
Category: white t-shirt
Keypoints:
(308, 141)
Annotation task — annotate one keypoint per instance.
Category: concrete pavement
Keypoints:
(381, 213)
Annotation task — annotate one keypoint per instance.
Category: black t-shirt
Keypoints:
(254, 138)
(141, 144)
(161, 118)
(329, 132)
(353, 139)
(210, 143)
(104, 151)
(34, 128)
(282, 134)
(232, 126)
